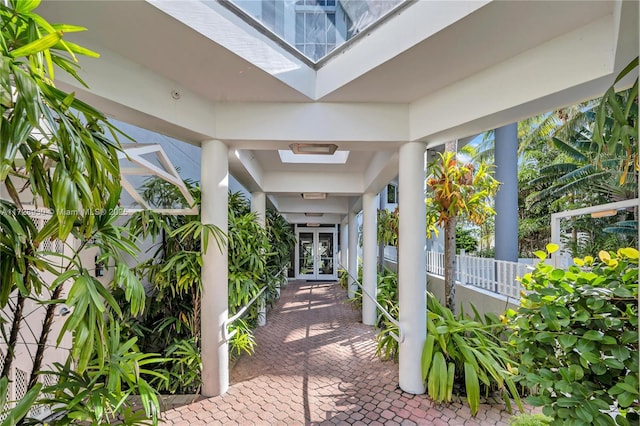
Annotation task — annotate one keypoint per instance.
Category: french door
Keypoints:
(315, 256)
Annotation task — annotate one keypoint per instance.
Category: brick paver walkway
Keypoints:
(315, 363)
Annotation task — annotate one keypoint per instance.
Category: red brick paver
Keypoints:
(315, 364)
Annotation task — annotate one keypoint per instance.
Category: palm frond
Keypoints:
(569, 150)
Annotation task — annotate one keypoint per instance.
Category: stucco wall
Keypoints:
(484, 301)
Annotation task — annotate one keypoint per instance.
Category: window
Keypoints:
(392, 194)
(315, 27)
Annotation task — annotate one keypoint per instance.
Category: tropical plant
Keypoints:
(388, 227)
(465, 240)
(597, 164)
(387, 347)
(616, 125)
(55, 155)
(14, 415)
(466, 351)
(529, 420)
(100, 394)
(170, 324)
(458, 191)
(587, 318)
(282, 240)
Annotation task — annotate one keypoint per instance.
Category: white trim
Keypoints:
(133, 153)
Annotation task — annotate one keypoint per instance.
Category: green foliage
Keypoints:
(55, 152)
(183, 372)
(282, 240)
(466, 351)
(616, 126)
(170, 325)
(242, 340)
(170, 322)
(587, 317)
(387, 347)
(465, 240)
(13, 416)
(596, 163)
(388, 227)
(529, 420)
(99, 393)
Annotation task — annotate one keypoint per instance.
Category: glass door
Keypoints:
(325, 258)
(315, 257)
(306, 256)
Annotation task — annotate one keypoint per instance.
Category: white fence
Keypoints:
(498, 276)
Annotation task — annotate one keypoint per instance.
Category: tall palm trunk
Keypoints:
(44, 337)
(450, 264)
(450, 251)
(13, 336)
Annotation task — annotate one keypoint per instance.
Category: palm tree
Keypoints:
(55, 152)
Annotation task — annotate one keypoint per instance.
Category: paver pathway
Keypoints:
(315, 363)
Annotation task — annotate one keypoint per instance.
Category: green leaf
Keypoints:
(552, 248)
(26, 6)
(472, 386)
(36, 46)
(427, 355)
(626, 399)
(594, 335)
(540, 254)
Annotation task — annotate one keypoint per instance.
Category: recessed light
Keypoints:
(314, 195)
(313, 148)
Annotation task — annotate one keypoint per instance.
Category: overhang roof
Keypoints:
(438, 70)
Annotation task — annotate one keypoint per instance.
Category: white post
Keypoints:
(215, 269)
(412, 279)
(344, 242)
(369, 257)
(353, 253)
(258, 206)
(555, 239)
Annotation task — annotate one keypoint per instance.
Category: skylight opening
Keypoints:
(315, 28)
(338, 157)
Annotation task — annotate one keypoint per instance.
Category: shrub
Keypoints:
(530, 420)
(576, 333)
(466, 351)
(387, 297)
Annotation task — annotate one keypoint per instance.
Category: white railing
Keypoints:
(398, 337)
(498, 276)
(225, 326)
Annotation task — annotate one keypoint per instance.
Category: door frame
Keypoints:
(316, 231)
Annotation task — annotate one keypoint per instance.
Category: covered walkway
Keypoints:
(315, 363)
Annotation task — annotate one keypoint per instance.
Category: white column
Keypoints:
(369, 257)
(215, 269)
(258, 206)
(353, 253)
(344, 242)
(412, 277)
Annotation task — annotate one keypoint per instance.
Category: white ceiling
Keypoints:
(437, 70)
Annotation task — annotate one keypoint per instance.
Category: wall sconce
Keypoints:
(99, 269)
